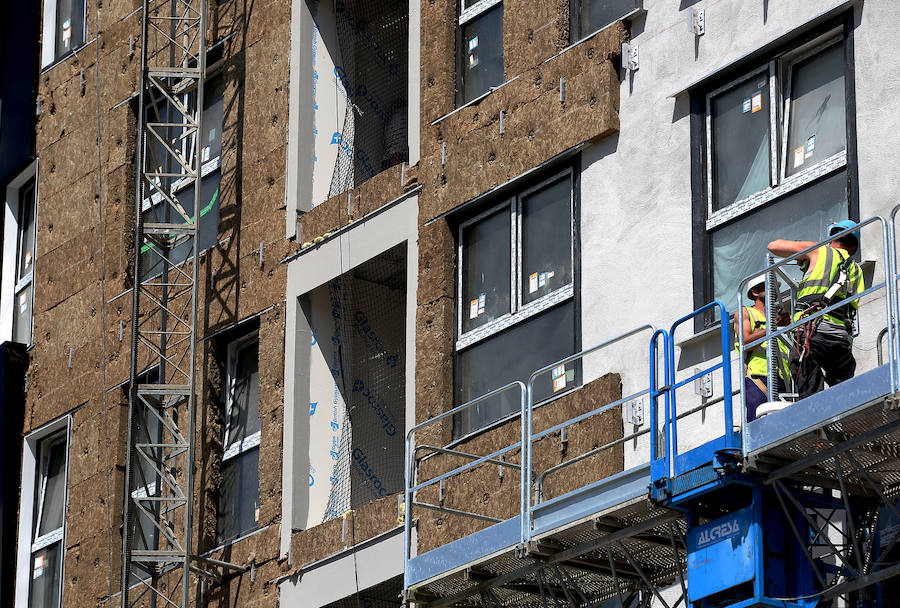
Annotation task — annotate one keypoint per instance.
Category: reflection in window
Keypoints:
(740, 141)
(818, 120)
(516, 301)
(69, 26)
(591, 15)
(482, 53)
(754, 197)
(158, 210)
(24, 294)
(739, 248)
(546, 239)
(486, 269)
(238, 509)
(49, 515)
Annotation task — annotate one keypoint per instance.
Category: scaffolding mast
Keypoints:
(157, 545)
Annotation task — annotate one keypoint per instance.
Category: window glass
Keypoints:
(238, 510)
(546, 239)
(213, 117)
(22, 315)
(739, 248)
(740, 141)
(69, 26)
(243, 417)
(25, 254)
(594, 14)
(817, 127)
(51, 488)
(45, 577)
(514, 355)
(485, 269)
(151, 263)
(482, 53)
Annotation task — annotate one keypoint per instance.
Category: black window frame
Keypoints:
(210, 171)
(815, 39)
(467, 14)
(234, 452)
(576, 29)
(520, 313)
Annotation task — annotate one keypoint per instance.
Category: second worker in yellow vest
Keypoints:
(825, 347)
(752, 321)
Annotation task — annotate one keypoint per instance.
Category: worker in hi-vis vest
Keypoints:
(752, 320)
(825, 344)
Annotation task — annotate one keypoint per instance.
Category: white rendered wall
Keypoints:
(636, 192)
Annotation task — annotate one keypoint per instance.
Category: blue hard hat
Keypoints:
(842, 225)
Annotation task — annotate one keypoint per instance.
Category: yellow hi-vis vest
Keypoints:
(822, 276)
(755, 358)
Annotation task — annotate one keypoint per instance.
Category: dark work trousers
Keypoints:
(754, 396)
(830, 360)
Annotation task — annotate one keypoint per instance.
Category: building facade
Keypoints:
(407, 207)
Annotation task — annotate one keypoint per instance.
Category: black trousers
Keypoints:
(830, 360)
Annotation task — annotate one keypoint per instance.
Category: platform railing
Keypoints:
(894, 319)
(784, 332)
(680, 463)
(416, 454)
(531, 501)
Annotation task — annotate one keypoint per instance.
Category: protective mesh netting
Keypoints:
(382, 595)
(373, 40)
(369, 306)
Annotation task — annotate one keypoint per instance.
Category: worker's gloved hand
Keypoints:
(782, 318)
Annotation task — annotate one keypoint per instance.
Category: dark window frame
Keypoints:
(76, 45)
(546, 303)
(56, 536)
(820, 38)
(208, 168)
(234, 452)
(23, 282)
(464, 16)
(576, 30)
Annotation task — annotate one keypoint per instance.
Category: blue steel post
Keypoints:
(739, 332)
(894, 303)
(655, 392)
(731, 440)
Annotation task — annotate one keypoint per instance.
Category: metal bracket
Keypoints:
(703, 385)
(633, 412)
(630, 58)
(697, 21)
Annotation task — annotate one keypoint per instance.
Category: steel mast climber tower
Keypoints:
(157, 544)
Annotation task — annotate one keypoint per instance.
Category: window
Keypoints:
(588, 16)
(18, 255)
(481, 50)
(64, 26)
(42, 517)
(239, 491)
(776, 159)
(516, 295)
(155, 208)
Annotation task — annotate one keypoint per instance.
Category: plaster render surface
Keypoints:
(636, 215)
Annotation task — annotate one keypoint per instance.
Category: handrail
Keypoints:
(410, 468)
(894, 320)
(731, 439)
(774, 334)
(655, 392)
(529, 437)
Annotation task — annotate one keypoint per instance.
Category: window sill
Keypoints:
(794, 182)
(62, 58)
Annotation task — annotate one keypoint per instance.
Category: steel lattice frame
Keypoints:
(157, 543)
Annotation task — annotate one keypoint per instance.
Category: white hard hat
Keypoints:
(754, 283)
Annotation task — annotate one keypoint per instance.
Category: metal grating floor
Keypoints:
(637, 538)
(872, 436)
